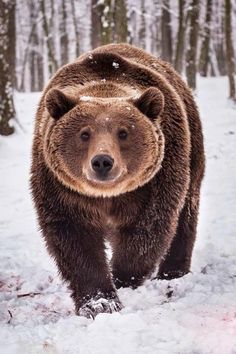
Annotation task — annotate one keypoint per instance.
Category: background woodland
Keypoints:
(37, 37)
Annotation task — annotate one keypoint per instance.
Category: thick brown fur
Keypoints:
(148, 210)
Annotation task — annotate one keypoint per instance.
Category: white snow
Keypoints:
(115, 65)
(199, 317)
(86, 98)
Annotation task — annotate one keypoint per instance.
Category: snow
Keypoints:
(115, 65)
(86, 98)
(192, 315)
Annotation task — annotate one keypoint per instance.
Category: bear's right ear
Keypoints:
(58, 104)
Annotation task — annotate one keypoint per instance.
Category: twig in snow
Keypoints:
(9, 321)
(28, 294)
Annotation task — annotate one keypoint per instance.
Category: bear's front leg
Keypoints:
(80, 256)
(134, 258)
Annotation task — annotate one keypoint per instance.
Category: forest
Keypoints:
(37, 37)
(193, 314)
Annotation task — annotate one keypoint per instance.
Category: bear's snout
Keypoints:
(102, 164)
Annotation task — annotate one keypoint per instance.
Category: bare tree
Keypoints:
(102, 22)
(204, 60)
(166, 43)
(120, 22)
(106, 22)
(12, 47)
(53, 31)
(77, 48)
(32, 54)
(35, 57)
(64, 40)
(109, 22)
(142, 30)
(182, 22)
(96, 23)
(52, 62)
(7, 110)
(191, 55)
(218, 43)
(229, 50)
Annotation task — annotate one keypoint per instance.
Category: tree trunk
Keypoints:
(204, 56)
(109, 22)
(52, 62)
(64, 41)
(7, 110)
(120, 22)
(142, 30)
(96, 23)
(35, 57)
(12, 39)
(192, 46)
(77, 48)
(106, 22)
(220, 38)
(180, 38)
(229, 50)
(166, 43)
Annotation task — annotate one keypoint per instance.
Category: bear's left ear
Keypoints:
(58, 104)
(150, 103)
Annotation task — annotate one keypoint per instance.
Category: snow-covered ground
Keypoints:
(199, 317)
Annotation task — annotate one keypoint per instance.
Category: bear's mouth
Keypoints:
(104, 180)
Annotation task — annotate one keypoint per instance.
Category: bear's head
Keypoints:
(102, 146)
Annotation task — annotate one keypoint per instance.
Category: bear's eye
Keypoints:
(122, 134)
(85, 136)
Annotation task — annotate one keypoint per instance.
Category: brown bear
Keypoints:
(117, 155)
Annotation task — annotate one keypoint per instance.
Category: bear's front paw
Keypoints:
(92, 307)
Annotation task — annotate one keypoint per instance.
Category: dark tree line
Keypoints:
(195, 36)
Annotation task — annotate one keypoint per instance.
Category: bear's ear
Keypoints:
(57, 103)
(150, 103)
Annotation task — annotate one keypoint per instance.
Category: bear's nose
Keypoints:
(102, 164)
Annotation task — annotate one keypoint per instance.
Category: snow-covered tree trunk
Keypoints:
(12, 46)
(7, 110)
(191, 55)
(96, 24)
(120, 22)
(166, 43)
(77, 47)
(204, 60)
(52, 62)
(34, 56)
(179, 53)
(142, 30)
(229, 50)
(106, 22)
(64, 40)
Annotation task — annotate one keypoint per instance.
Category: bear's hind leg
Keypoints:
(178, 259)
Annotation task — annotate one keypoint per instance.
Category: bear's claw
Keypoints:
(99, 305)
